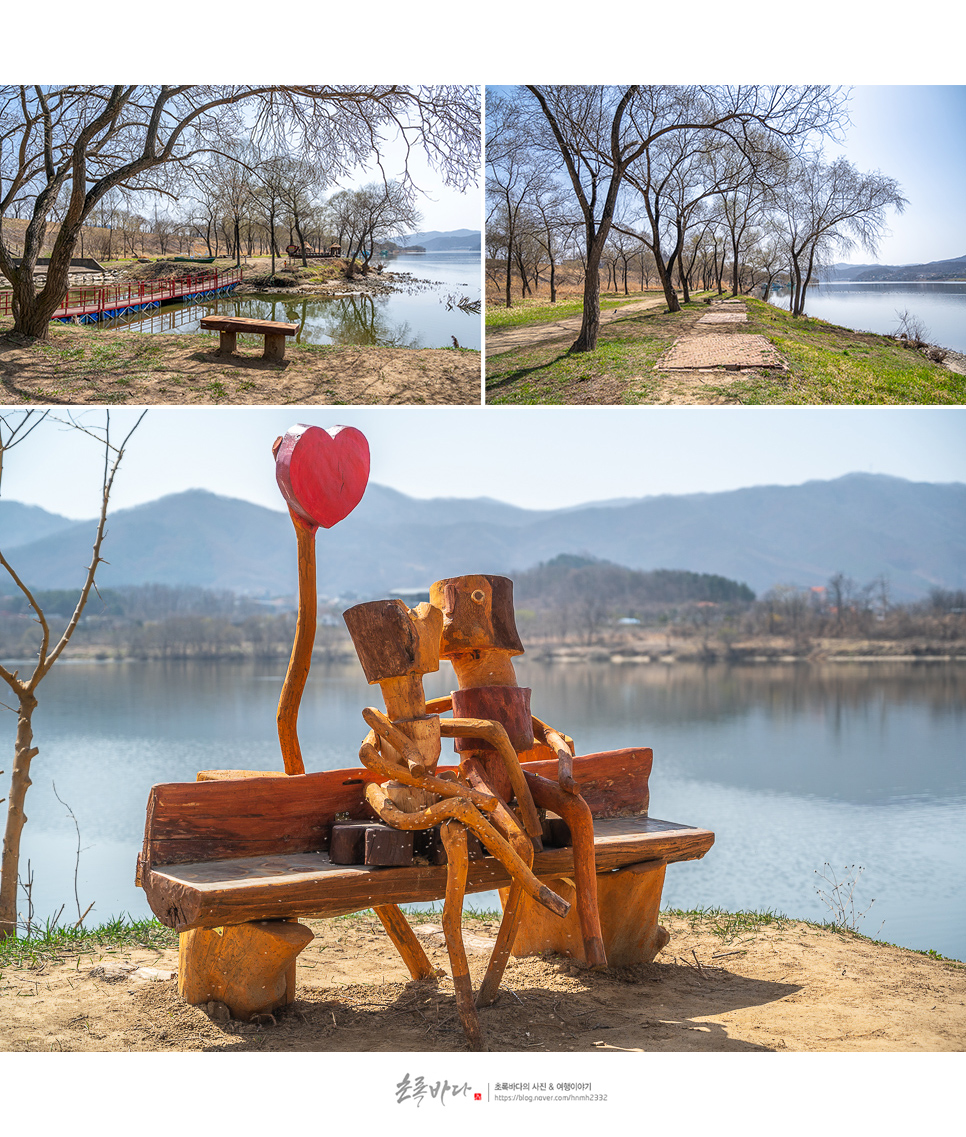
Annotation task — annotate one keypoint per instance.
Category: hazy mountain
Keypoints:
(954, 268)
(21, 524)
(863, 525)
(434, 241)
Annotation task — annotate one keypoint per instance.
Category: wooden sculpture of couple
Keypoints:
(470, 622)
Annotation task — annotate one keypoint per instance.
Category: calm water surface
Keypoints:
(941, 306)
(791, 766)
(422, 313)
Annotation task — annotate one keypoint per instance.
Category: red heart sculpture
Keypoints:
(322, 473)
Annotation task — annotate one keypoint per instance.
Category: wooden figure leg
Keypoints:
(227, 343)
(629, 901)
(457, 863)
(397, 927)
(575, 811)
(274, 346)
(248, 967)
(512, 912)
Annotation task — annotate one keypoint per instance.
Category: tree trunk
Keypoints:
(24, 753)
(590, 320)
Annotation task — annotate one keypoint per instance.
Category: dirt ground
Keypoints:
(784, 986)
(186, 370)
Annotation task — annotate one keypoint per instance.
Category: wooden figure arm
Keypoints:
(495, 734)
(437, 706)
(463, 811)
(565, 759)
(444, 787)
(383, 726)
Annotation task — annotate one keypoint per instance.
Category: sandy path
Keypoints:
(789, 987)
(506, 339)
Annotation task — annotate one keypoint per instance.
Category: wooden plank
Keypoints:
(613, 782)
(238, 324)
(208, 895)
(238, 817)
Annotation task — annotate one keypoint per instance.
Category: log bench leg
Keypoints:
(628, 900)
(393, 919)
(274, 346)
(248, 967)
(227, 343)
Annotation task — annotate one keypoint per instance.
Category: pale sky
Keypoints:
(916, 135)
(537, 458)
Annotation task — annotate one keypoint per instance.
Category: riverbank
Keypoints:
(80, 365)
(725, 983)
(657, 648)
(88, 365)
(810, 362)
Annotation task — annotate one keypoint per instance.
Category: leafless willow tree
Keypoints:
(15, 428)
(63, 148)
(831, 205)
(600, 132)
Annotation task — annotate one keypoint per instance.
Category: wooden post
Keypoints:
(249, 967)
(629, 901)
(227, 342)
(274, 346)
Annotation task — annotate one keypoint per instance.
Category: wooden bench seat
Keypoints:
(241, 848)
(211, 894)
(229, 326)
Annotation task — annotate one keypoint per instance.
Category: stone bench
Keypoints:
(229, 327)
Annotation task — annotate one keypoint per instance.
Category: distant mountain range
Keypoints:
(864, 525)
(952, 269)
(434, 241)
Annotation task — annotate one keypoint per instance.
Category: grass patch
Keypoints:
(539, 310)
(728, 926)
(827, 364)
(55, 944)
(619, 370)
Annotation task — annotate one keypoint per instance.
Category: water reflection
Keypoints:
(789, 765)
(421, 312)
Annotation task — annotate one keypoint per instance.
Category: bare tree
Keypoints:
(15, 427)
(62, 148)
(830, 206)
(599, 132)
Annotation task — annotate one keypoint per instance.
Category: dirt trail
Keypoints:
(506, 339)
(789, 986)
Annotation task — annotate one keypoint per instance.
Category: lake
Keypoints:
(792, 766)
(867, 307)
(422, 313)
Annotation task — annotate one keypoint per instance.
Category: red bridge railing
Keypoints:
(86, 301)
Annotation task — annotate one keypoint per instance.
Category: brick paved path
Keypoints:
(719, 350)
(724, 318)
(732, 350)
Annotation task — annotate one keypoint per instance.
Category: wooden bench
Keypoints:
(229, 327)
(239, 850)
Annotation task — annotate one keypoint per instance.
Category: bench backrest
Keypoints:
(258, 816)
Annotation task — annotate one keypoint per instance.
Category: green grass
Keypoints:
(539, 310)
(827, 364)
(59, 943)
(619, 370)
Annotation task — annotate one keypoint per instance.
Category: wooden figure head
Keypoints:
(392, 640)
(477, 615)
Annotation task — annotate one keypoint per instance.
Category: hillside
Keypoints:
(863, 525)
(434, 241)
(952, 269)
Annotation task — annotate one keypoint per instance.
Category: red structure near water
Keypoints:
(91, 305)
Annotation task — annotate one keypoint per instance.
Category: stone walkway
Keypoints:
(732, 351)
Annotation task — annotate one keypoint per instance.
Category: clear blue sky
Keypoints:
(533, 457)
